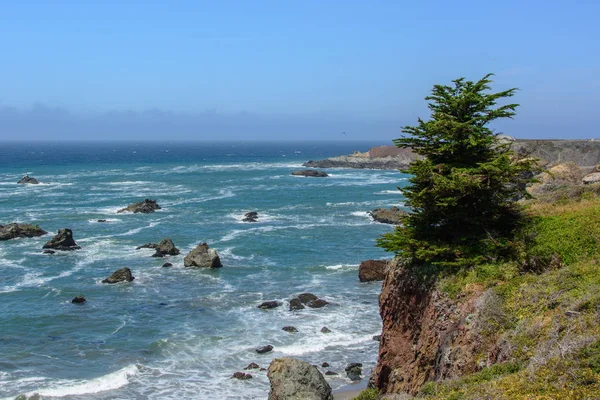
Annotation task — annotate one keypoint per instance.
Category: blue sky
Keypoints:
(204, 70)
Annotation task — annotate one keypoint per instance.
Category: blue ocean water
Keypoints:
(176, 332)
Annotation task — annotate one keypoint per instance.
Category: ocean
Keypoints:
(178, 332)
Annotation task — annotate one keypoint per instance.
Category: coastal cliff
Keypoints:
(584, 153)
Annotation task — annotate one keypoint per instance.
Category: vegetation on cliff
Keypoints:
(463, 191)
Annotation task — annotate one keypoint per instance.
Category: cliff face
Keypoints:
(427, 336)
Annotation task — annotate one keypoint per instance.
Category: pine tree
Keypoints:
(463, 191)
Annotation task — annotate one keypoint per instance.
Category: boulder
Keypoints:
(241, 376)
(14, 230)
(147, 246)
(264, 349)
(325, 330)
(305, 298)
(391, 215)
(101, 220)
(252, 366)
(561, 175)
(166, 247)
(202, 257)
(250, 217)
(310, 172)
(120, 275)
(28, 179)
(167, 265)
(145, 207)
(325, 364)
(296, 379)
(592, 178)
(63, 240)
(318, 303)
(353, 371)
(331, 373)
(78, 300)
(296, 304)
(267, 305)
(372, 270)
(290, 329)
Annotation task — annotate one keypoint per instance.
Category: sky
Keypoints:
(288, 70)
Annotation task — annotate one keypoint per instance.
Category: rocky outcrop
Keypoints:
(166, 247)
(63, 240)
(296, 379)
(120, 275)
(202, 257)
(390, 215)
(251, 216)
(372, 270)
(28, 179)
(145, 207)
(15, 230)
(78, 300)
(560, 175)
(311, 172)
(426, 335)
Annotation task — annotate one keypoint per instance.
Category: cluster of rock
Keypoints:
(251, 216)
(145, 207)
(296, 303)
(166, 247)
(392, 215)
(564, 175)
(15, 230)
(311, 172)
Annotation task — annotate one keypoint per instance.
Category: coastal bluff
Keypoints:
(584, 153)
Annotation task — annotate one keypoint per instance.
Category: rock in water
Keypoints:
(296, 304)
(242, 376)
(391, 215)
(120, 275)
(145, 207)
(295, 379)
(306, 298)
(203, 257)
(62, 241)
(78, 300)
(166, 247)
(372, 270)
(28, 179)
(250, 217)
(310, 172)
(267, 305)
(14, 230)
(167, 265)
(353, 371)
(252, 366)
(147, 246)
(325, 330)
(264, 349)
(290, 329)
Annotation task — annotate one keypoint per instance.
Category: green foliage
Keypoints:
(462, 193)
(368, 394)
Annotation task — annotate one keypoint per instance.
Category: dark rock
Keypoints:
(28, 179)
(78, 300)
(167, 265)
(305, 298)
(120, 275)
(331, 373)
(290, 329)
(166, 247)
(325, 330)
(377, 338)
(310, 172)
(101, 220)
(296, 304)
(264, 349)
(250, 217)
(145, 207)
(263, 369)
(147, 246)
(391, 215)
(252, 366)
(318, 303)
(325, 365)
(14, 230)
(372, 270)
(295, 379)
(47, 251)
(62, 241)
(267, 305)
(242, 376)
(353, 371)
(202, 257)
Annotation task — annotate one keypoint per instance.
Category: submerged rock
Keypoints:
(296, 379)
(167, 265)
(290, 329)
(241, 376)
(372, 270)
(202, 257)
(264, 349)
(120, 275)
(15, 230)
(63, 240)
(252, 366)
(391, 215)
(353, 371)
(308, 299)
(267, 305)
(78, 300)
(101, 220)
(325, 330)
(250, 217)
(311, 173)
(145, 207)
(28, 179)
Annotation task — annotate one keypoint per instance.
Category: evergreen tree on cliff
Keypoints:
(463, 191)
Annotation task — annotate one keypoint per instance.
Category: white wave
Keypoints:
(35, 279)
(339, 267)
(128, 183)
(95, 221)
(249, 166)
(397, 191)
(112, 381)
(128, 233)
(313, 345)
(363, 214)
